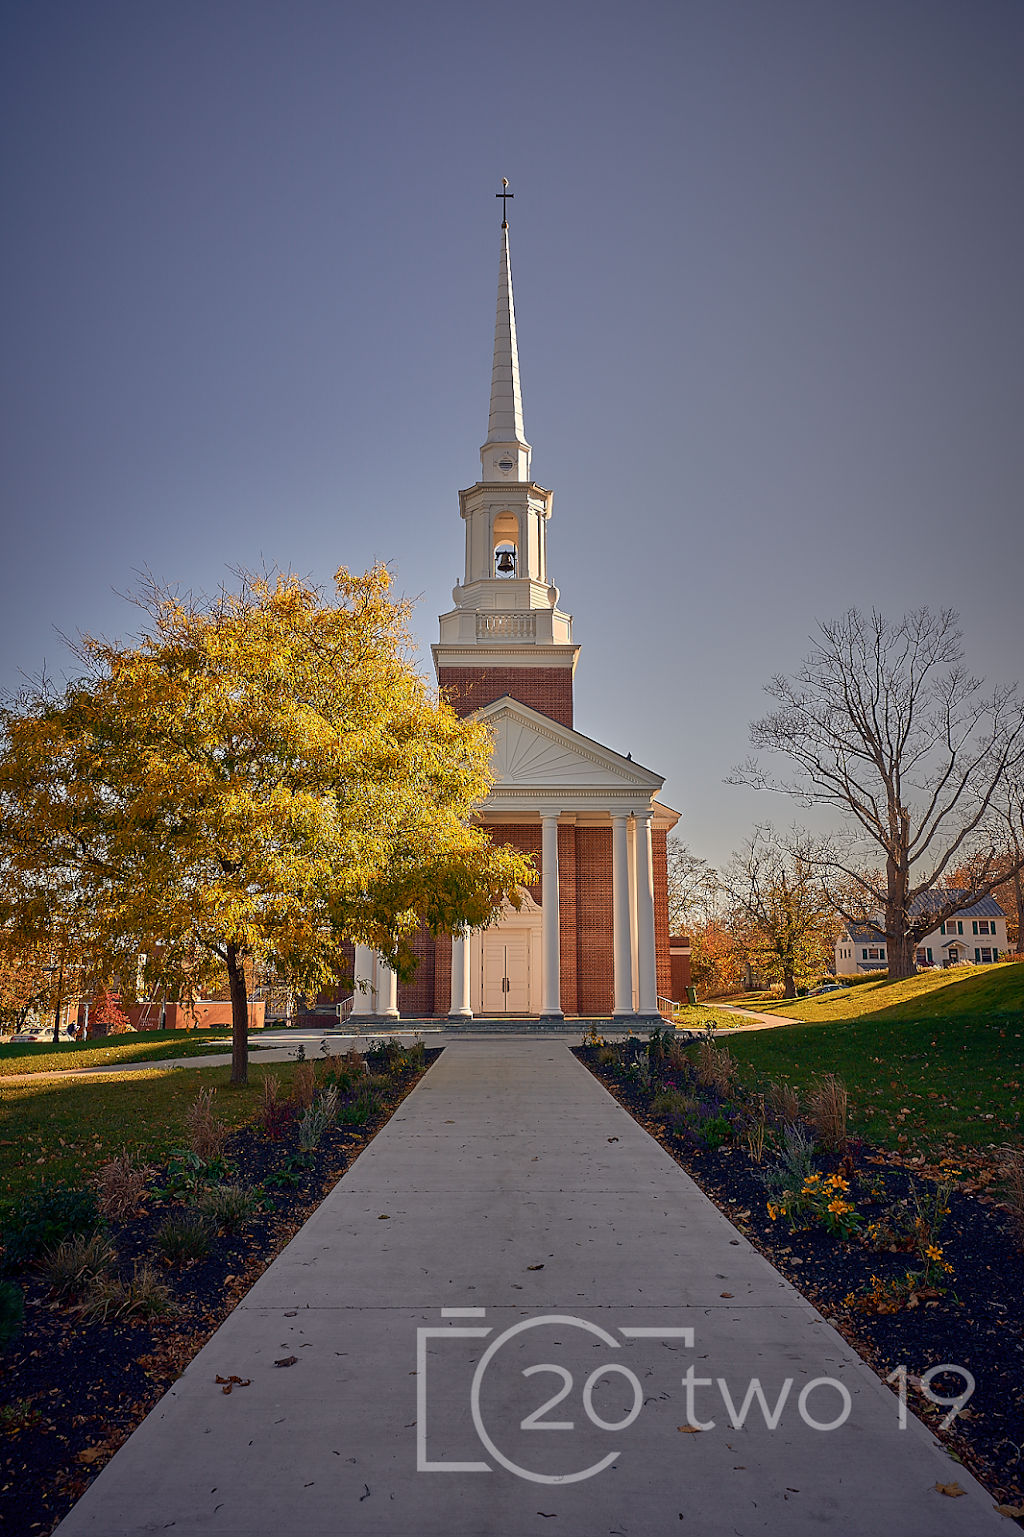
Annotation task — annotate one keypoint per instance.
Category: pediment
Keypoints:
(532, 751)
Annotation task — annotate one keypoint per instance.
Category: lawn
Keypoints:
(144, 1046)
(66, 1129)
(978, 991)
(914, 1085)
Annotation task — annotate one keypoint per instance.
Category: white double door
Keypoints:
(505, 980)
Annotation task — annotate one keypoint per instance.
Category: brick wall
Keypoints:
(416, 999)
(659, 860)
(546, 689)
(595, 962)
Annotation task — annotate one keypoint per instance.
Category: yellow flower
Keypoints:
(837, 1207)
(933, 1252)
(773, 1211)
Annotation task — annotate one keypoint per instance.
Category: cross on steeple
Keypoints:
(504, 195)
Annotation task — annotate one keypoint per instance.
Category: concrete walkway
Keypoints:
(487, 1328)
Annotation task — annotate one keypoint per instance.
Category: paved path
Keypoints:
(763, 1021)
(490, 1306)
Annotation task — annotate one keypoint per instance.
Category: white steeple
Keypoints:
(506, 604)
(506, 453)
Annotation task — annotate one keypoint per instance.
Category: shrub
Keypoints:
(828, 1106)
(782, 1104)
(43, 1217)
(317, 1117)
(304, 1086)
(12, 1312)
(384, 1056)
(231, 1207)
(121, 1185)
(144, 1296)
(183, 1236)
(206, 1135)
(274, 1113)
(76, 1262)
(356, 1112)
(715, 1067)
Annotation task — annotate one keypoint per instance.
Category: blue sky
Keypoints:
(767, 261)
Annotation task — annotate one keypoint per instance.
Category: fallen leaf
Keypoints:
(613, 1139)
(227, 1383)
(383, 1217)
(228, 1278)
(293, 1314)
(535, 1267)
(92, 1452)
(726, 1294)
(287, 1361)
(1010, 1510)
(689, 1430)
(951, 1489)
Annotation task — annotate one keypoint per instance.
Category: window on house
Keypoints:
(871, 955)
(984, 927)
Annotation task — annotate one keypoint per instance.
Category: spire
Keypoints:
(506, 454)
(505, 424)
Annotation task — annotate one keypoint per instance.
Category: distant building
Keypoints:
(977, 935)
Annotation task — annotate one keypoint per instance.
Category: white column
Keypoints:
(621, 940)
(551, 996)
(362, 997)
(388, 997)
(646, 962)
(461, 1007)
(634, 996)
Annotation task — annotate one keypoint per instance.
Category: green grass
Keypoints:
(145, 1046)
(695, 1016)
(958, 1079)
(67, 1128)
(975, 992)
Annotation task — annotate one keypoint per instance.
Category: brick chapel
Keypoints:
(591, 938)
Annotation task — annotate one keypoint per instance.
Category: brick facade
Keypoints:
(595, 960)
(659, 862)
(545, 689)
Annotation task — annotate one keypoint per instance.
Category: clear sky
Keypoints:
(769, 271)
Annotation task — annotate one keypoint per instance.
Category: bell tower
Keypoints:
(506, 633)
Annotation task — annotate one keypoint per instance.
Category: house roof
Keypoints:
(930, 901)
(935, 901)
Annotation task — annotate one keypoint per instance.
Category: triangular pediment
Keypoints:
(533, 751)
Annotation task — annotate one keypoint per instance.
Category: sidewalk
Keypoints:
(482, 1331)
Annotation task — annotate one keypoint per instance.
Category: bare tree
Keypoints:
(693, 889)
(781, 920)
(884, 723)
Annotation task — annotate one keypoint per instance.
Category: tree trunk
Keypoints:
(239, 1019)
(790, 981)
(902, 955)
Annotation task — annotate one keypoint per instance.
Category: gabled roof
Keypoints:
(535, 757)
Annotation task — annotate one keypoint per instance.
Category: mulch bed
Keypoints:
(86, 1386)
(978, 1323)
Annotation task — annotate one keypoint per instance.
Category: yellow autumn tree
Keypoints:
(259, 776)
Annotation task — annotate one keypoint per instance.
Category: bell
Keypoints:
(506, 562)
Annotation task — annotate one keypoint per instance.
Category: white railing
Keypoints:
(345, 1007)
(517, 626)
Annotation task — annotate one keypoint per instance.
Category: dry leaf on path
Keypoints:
(227, 1383)
(535, 1267)
(287, 1361)
(951, 1489)
(726, 1294)
(1010, 1510)
(689, 1430)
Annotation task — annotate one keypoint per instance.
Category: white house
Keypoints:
(977, 935)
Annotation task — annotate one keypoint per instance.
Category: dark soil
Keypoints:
(978, 1323)
(79, 1389)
